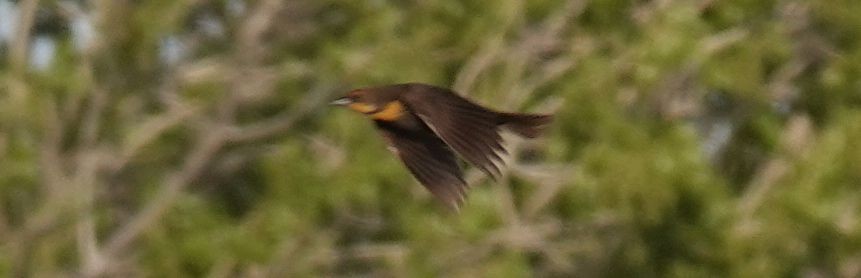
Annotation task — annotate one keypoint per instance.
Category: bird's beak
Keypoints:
(341, 101)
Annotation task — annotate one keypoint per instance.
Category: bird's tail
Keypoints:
(526, 125)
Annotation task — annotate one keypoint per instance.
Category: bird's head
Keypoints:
(360, 100)
(381, 103)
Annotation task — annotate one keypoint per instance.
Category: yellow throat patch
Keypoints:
(362, 107)
(391, 112)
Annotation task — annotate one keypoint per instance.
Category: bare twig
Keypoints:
(54, 190)
(548, 37)
(88, 163)
(20, 47)
(549, 181)
(150, 130)
(4, 222)
(477, 64)
(279, 124)
(210, 138)
(206, 146)
(796, 138)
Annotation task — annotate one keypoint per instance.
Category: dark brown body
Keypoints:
(427, 125)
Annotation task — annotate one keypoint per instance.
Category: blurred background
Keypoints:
(191, 138)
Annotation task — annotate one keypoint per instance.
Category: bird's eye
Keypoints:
(357, 99)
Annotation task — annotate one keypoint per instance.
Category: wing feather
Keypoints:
(432, 163)
(470, 129)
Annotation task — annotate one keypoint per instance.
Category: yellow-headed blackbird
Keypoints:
(426, 125)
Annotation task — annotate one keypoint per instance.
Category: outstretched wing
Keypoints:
(471, 130)
(430, 161)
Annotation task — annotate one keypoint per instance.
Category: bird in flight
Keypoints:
(425, 126)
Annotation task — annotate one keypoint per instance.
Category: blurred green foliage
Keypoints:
(692, 139)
